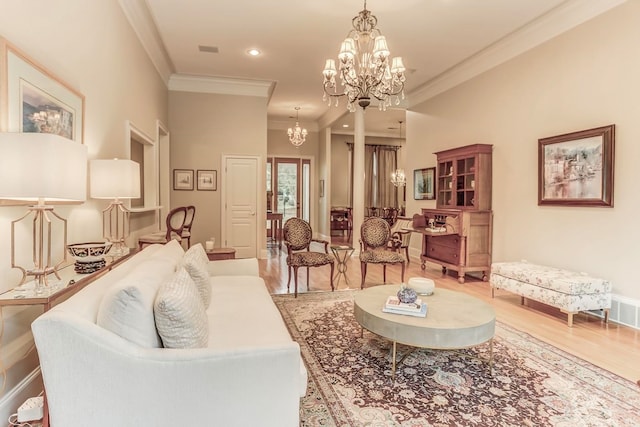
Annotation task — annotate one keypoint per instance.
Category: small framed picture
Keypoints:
(183, 179)
(207, 180)
(424, 184)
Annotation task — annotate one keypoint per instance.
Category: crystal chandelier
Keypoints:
(364, 67)
(297, 135)
(398, 177)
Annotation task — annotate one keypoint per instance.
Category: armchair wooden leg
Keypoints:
(406, 249)
(332, 289)
(363, 273)
(403, 267)
(295, 281)
(308, 288)
(384, 273)
(289, 277)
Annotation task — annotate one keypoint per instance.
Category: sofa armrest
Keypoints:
(234, 267)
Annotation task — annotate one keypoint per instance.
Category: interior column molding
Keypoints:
(358, 176)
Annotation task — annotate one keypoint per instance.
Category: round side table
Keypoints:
(342, 255)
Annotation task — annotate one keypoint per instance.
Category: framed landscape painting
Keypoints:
(576, 169)
(183, 179)
(36, 100)
(207, 180)
(424, 184)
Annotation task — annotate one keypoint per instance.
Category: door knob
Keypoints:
(252, 213)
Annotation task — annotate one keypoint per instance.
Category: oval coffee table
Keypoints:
(454, 320)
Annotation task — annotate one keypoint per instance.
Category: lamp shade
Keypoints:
(42, 166)
(114, 179)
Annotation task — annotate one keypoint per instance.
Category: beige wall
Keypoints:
(204, 127)
(91, 46)
(583, 79)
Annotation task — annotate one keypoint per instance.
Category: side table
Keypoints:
(221, 253)
(342, 254)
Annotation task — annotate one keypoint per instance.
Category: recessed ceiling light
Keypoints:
(345, 126)
(253, 52)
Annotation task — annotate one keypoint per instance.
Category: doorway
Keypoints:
(289, 179)
(240, 204)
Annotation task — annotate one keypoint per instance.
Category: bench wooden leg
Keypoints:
(606, 315)
(569, 317)
(521, 300)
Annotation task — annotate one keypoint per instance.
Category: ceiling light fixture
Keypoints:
(253, 52)
(398, 178)
(297, 135)
(364, 67)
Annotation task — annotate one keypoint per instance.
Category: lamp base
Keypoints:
(119, 249)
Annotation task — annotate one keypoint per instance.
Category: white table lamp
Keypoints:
(115, 179)
(41, 168)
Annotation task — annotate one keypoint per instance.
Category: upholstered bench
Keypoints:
(569, 291)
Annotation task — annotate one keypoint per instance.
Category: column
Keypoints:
(358, 176)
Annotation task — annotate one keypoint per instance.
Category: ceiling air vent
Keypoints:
(209, 49)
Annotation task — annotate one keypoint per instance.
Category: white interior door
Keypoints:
(240, 207)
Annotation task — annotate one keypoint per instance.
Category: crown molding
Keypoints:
(557, 21)
(221, 85)
(143, 25)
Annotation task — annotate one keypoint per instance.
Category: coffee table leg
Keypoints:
(491, 356)
(393, 361)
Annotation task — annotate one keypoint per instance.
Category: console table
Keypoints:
(71, 283)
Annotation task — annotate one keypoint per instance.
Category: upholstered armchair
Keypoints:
(375, 236)
(297, 239)
(400, 236)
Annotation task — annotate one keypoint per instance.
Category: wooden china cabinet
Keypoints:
(457, 234)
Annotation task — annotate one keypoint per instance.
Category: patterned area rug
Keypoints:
(532, 384)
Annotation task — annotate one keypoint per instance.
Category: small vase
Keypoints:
(407, 295)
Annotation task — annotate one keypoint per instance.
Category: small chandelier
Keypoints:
(398, 177)
(297, 135)
(364, 67)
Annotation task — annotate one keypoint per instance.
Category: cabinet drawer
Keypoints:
(443, 253)
(452, 241)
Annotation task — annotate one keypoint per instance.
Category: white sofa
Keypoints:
(249, 374)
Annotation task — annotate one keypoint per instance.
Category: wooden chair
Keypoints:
(175, 225)
(375, 234)
(188, 222)
(297, 239)
(400, 237)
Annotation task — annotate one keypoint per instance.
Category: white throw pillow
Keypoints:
(180, 315)
(126, 309)
(171, 251)
(195, 261)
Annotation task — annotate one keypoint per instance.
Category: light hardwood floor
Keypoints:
(611, 346)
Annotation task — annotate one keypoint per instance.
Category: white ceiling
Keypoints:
(434, 37)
